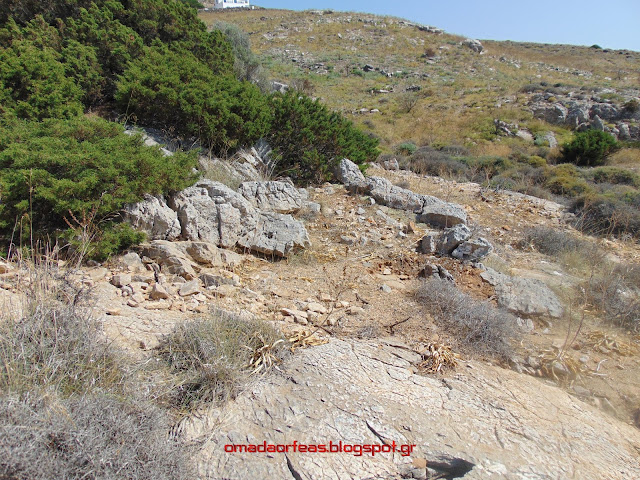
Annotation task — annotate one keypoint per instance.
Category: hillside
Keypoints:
(201, 277)
(356, 62)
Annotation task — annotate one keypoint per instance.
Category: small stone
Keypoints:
(132, 303)
(113, 311)
(348, 240)
(158, 292)
(121, 280)
(190, 288)
(385, 288)
(127, 291)
(361, 211)
(159, 305)
(386, 271)
(353, 310)
(316, 307)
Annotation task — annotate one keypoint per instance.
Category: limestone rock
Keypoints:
(473, 250)
(428, 245)
(170, 258)
(554, 113)
(158, 292)
(190, 288)
(443, 214)
(281, 197)
(452, 237)
(204, 253)
(358, 392)
(473, 44)
(154, 217)
(121, 280)
(523, 296)
(350, 175)
(213, 212)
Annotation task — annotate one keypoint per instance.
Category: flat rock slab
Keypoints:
(524, 296)
(504, 424)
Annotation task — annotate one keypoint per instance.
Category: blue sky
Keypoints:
(610, 24)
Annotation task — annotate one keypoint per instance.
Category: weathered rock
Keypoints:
(190, 288)
(391, 164)
(431, 270)
(452, 237)
(442, 214)
(158, 292)
(605, 111)
(473, 250)
(597, 123)
(204, 253)
(209, 280)
(577, 114)
(625, 133)
(523, 296)
(170, 258)
(350, 175)
(428, 244)
(385, 193)
(154, 217)
(132, 261)
(281, 197)
(554, 113)
(121, 280)
(213, 212)
(473, 44)
(358, 392)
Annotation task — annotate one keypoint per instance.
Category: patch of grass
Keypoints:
(212, 356)
(479, 327)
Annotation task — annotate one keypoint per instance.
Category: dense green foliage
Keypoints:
(589, 148)
(147, 61)
(310, 140)
(57, 174)
(176, 90)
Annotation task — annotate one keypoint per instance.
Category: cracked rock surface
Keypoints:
(504, 425)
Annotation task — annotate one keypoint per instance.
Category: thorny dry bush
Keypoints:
(214, 356)
(478, 327)
(69, 408)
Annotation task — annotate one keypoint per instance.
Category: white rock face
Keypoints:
(495, 423)
(280, 197)
(154, 217)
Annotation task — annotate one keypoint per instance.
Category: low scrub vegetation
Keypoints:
(477, 326)
(212, 356)
(69, 404)
(590, 148)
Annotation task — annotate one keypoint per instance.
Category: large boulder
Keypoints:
(385, 193)
(528, 297)
(605, 111)
(212, 212)
(154, 217)
(170, 257)
(473, 44)
(554, 113)
(473, 250)
(442, 214)
(349, 174)
(280, 197)
(452, 237)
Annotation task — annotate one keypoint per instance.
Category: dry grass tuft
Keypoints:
(213, 357)
(478, 327)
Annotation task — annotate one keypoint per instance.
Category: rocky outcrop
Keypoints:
(280, 197)
(456, 241)
(442, 214)
(473, 44)
(473, 250)
(488, 422)
(430, 209)
(154, 217)
(524, 296)
(212, 212)
(554, 113)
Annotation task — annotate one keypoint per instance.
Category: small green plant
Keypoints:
(589, 148)
(406, 148)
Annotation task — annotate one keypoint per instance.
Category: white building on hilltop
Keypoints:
(232, 3)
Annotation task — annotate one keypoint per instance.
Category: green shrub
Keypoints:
(309, 140)
(566, 180)
(35, 84)
(589, 148)
(616, 176)
(166, 88)
(58, 173)
(406, 148)
(246, 63)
